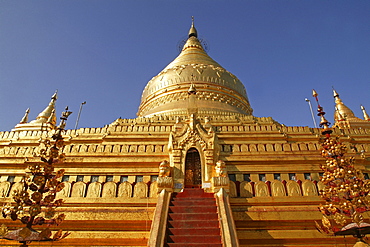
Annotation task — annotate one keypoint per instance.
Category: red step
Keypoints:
(194, 209)
(193, 216)
(193, 220)
(193, 193)
(194, 231)
(193, 201)
(193, 245)
(193, 223)
(194, 239)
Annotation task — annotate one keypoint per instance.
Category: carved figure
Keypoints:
(309, 188)
(65, 192)
(125, 190)
(293, 189)
(277, 188)
(140, 189)
(261, 189)
(220, 169)
(109, 189)
(320, 187)
(16, 187)
(94, 190)
(4, 188)
(246, 189)
(233, 192)
(78, 189)
(164, 169)
(153, 189)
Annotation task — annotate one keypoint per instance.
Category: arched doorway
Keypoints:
(193, 169)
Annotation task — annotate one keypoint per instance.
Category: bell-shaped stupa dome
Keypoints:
(194, 83)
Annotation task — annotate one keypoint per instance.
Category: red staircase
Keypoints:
(193, 220)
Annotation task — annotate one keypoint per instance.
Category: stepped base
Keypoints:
(193, 219)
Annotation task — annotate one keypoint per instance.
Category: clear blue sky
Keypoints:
(104, 52)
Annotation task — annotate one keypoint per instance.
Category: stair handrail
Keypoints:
(159, 223)
(228, 229)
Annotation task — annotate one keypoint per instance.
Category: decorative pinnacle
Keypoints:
(55, 95)
(335, 93)
(366, 116)
(314, 94)
(193, 31)
(323, 122)
(25, 117)
(64, 118)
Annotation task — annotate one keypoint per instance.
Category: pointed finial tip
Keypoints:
(335, 93)
(314, 93)
(55, 95)
(193, 31)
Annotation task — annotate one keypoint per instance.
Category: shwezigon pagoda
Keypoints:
(195, 168)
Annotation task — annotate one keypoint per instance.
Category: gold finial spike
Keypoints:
(323, 123)
(47, 112)
(25, 117)
(366, 116)
(193, 31)
(314, 93)
(335, 93)
(55, 95)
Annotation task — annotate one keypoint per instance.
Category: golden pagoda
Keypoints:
(195, 168)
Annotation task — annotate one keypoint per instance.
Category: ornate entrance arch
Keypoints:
(193, 150)
(193, 169)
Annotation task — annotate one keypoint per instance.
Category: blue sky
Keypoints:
(104, 53)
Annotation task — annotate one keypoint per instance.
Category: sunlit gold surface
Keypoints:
(217, 89)
(44, 121)
(366, 116)
(344, 116)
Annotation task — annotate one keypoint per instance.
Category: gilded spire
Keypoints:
(193, 41)
(25, 117)
(45, 120)
(341, 109)
(44, 116)
(193, 31)
(366, 117)
(194, 66)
